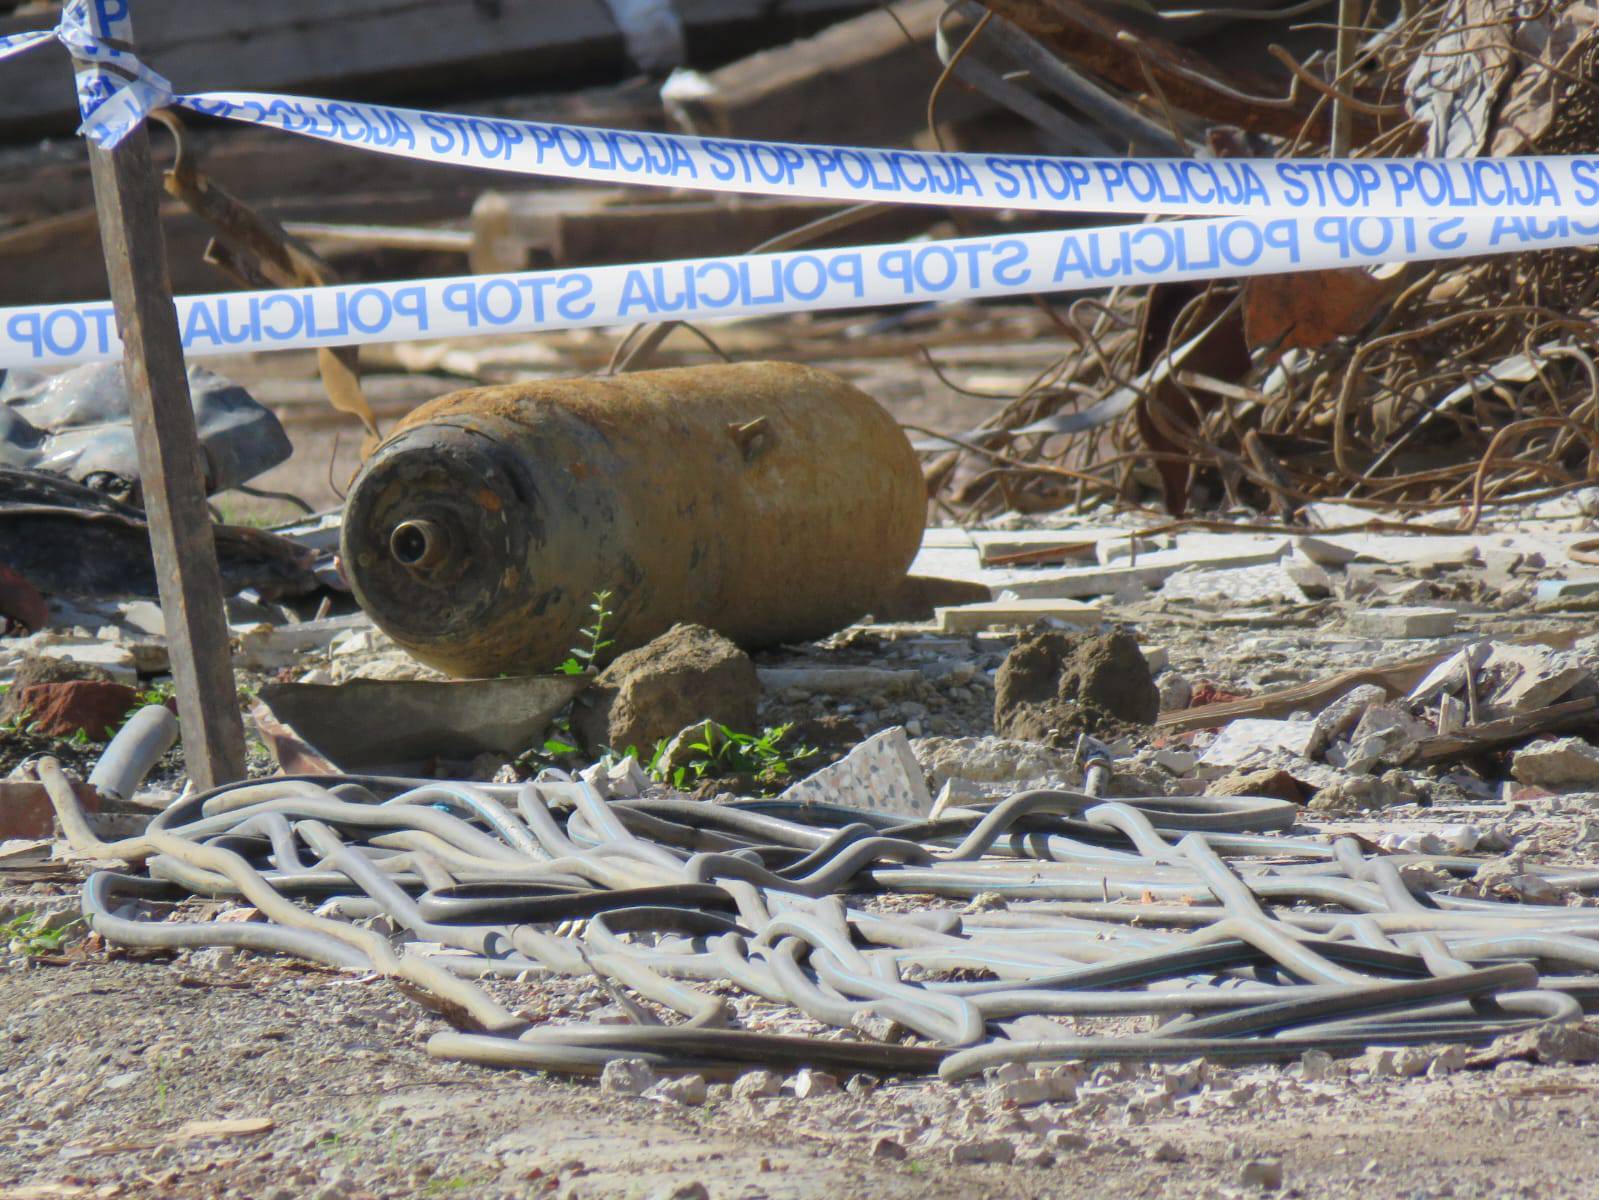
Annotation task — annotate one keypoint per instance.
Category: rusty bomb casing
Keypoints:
(769, 501)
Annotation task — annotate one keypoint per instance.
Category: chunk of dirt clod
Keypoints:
(687, 675)
(1053, 686)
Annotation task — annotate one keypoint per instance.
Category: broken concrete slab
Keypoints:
(1266, 583)
(1022, 613)
(1530, 677)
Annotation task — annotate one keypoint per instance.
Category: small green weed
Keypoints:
(582, 658)
(28, 934)
(718, 751)
(445, 1187)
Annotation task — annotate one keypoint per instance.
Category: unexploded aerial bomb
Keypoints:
(770, 501)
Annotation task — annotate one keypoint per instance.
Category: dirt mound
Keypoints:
(1053, 686)
(687, 675)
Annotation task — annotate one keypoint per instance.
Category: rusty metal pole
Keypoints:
(164, 430)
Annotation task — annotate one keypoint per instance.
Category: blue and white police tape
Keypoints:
(769, 284)
(114, 100)
(115, 90)
(1542, 186)
(16, 43)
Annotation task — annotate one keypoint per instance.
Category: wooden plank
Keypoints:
(857, 83)
(168, 445)
(385, 49)
(1502, 734)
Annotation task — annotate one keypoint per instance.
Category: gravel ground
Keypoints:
(104, 1060)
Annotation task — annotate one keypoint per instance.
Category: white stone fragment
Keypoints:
(1557, 762)
(1249, 737)
(1403, 622)
(628, 1077)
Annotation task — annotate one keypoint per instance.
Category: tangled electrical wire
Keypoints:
(1240, 940)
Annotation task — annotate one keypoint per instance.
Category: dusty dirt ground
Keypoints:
(104, 1059)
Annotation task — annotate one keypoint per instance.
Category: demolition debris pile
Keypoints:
(1402, 389)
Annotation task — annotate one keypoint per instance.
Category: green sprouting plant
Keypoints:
(80, 737)
(717, 750)
(581, 658)
(446, 1187)
(156, 693)
(30, 934)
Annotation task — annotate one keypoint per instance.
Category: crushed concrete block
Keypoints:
(1325, 552)
(995, 614)
(756, 1085)
(263, 647)
(1339, 717)
(881, 774)
(1176, 692)
(143, 616)
(1023, 1092)
(1403, 622)
(1383, 734)
(1557, 763)
(1312, 578)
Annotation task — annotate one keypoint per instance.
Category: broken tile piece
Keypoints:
(1247, 738)
(881, 774)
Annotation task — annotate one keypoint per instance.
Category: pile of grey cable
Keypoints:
(1240, 941)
